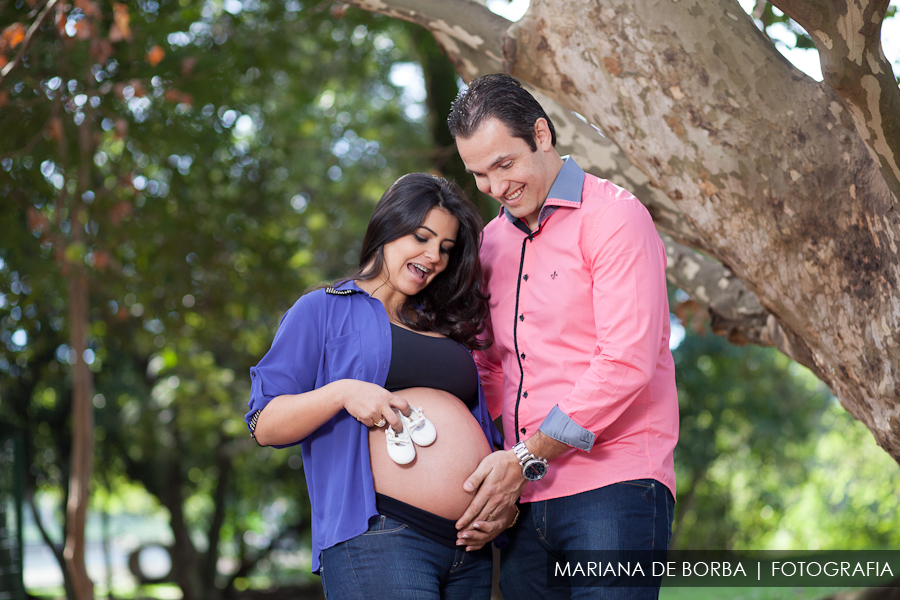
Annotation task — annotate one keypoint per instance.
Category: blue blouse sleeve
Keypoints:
(292, 364)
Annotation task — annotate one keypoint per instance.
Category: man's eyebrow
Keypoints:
(435, 234)
(499, 160)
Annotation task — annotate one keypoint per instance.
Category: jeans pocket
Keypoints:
(382, 525)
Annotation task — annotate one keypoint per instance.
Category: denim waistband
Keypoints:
(438, 529)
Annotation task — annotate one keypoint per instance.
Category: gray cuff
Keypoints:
(562, 428)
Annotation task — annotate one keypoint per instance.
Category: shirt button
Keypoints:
(521, 317)
(524, 394)
(523, 430)
(525, 277)
(523, 356)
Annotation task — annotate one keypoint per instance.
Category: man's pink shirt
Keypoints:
(591, 335)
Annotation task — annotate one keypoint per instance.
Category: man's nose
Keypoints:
(498, 185)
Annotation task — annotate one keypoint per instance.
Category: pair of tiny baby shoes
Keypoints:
(417, 429)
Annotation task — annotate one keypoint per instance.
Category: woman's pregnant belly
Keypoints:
(433, 480)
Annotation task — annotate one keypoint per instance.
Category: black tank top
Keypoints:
(419, 360)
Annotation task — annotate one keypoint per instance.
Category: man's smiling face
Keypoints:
(507, 170)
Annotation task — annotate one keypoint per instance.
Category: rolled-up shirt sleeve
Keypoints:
(292, 364)
(630, 304)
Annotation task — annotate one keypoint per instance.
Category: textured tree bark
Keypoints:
(83, 388)
(737, 154)
(82, 441)
(847, 34)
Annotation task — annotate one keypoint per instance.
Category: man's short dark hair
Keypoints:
(501, 97)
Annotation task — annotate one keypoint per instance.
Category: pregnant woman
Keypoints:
(348, 361)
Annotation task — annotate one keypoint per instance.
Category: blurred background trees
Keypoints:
(187, 169)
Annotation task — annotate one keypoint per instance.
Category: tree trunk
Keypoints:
(83, 385)
(82, 434)
(737, 154)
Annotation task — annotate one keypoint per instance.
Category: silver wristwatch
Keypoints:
(533, 467)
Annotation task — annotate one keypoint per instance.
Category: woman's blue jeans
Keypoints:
(632, 515)
(392, 561)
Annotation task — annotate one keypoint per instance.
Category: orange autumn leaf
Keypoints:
(89, 8)
(178, 97)
(139, 90)
(187, 65)
(84, 30)
(37, 222)
(121, 129)
(13, 35)
(119, 212)
(101, 50)
(56, 128)
(100, 259)
(122, 20)
(155, 55)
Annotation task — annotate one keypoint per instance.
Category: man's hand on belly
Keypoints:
(499, 483)
(483, 532)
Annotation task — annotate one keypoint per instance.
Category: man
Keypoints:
(580, 367)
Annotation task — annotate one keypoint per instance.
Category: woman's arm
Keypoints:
(292, 417)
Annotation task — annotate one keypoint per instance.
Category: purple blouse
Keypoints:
(326, 336)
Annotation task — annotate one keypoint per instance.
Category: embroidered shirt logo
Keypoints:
(554, 276)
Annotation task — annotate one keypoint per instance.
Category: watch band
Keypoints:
(522, 453)
(529, 462)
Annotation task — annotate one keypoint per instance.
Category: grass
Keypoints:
(746, 593)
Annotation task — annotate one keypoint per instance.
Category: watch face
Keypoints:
(534, 470)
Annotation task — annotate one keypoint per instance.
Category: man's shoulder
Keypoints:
(601, 192)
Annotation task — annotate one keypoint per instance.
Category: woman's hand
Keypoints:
(483, 532)
(292, 417)
(370, 404)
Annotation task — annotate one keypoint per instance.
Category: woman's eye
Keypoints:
(506, 165)
(419, 238)
(446, 250)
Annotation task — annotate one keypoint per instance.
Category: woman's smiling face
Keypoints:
(412, 261)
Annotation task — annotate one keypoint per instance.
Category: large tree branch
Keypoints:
(744, 157)
(735, 312)
(847, 34)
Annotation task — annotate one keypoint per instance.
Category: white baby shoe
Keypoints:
(400, 446)
(420, 429)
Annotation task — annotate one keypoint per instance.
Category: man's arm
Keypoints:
(630, 306)
(490, 372)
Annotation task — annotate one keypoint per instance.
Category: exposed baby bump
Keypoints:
(433, 480)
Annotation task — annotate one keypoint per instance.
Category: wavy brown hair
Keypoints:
(453, 304)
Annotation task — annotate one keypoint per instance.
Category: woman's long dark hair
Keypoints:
(453, 304)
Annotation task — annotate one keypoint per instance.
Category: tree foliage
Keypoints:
(766, 458)
(215, 159)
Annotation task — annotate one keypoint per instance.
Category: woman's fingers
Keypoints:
(392, 418)
(398, 403)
